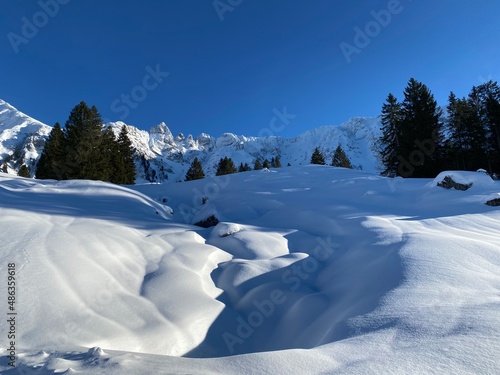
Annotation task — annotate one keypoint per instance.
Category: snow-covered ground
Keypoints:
(312, 270)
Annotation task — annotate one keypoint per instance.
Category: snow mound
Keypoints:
(226, 229)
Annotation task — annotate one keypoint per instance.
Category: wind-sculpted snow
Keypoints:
(311, 270)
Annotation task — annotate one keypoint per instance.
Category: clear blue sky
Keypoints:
(229, 69)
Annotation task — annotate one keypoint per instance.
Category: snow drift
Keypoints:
(313, 270)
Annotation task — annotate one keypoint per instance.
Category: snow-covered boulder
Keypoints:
(462, 180)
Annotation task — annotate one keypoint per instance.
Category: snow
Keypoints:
(312, 270)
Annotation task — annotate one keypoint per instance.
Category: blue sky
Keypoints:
(238, 67)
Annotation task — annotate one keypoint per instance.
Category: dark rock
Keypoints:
(210, 221)
(494, 202)
(448, 183)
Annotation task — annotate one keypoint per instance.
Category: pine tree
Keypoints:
(126, 157)
(244, 167)
(340, 158)
(195, 171)
(493, 110)
(266, 164)
(389, 141)
(420, 133)
(84, 134)
(486, 98)
(277, 162)
(50, 164)
(226, 166)
(258, 165)
(466, 134)
(317, 157)
(273, 162)
(24, 171)
(110, 165)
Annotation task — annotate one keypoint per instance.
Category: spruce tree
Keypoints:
(126, 157)
(317, 157)
(277, 162)
(195, 171)
(340, 158)
(389, 141)
(257, 165)
(244, 167)
(466, 134)
(84, 134)
(24, 171)
(266, 164)
(421, 133)
(51, 161)
(493, 110)
(109, 165)
(273, 162)
(226, 166)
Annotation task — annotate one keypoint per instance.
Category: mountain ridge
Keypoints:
(161, 156)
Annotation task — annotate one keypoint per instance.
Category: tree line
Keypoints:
(85, 149)
(418, 140)
(226, 166)
(339, 159)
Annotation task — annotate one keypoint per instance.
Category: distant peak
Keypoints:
(161, 128)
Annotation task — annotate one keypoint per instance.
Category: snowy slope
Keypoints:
(312, 270)
(161, 156)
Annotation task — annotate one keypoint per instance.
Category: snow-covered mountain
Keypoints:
(162, 156)
(22, 138)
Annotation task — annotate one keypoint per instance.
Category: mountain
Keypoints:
(161, 156)
(22, 138)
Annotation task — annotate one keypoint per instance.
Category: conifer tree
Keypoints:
(126, 157)
(244, 167)
(277, 162)
(340, 158)
(273, 162)
(389, 141)
(24, 171)
(258, 165)
(317, 157)
(195, 171)
(266, 164)
(226, 166)
(84, 134)
(109, 165)
(420, 134)
(466, 134)
(51, 161)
